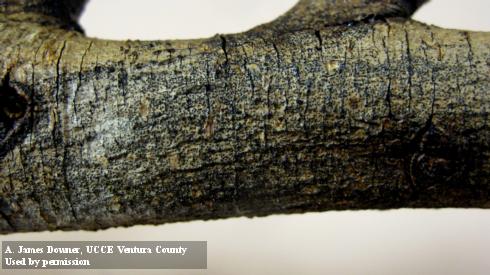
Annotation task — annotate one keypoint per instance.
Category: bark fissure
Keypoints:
(409, 69)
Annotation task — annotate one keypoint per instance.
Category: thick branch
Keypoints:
(377, 114)
(316, 14)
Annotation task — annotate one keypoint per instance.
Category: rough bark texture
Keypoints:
(335, 105)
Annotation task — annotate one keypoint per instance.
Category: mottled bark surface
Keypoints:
(335, 105)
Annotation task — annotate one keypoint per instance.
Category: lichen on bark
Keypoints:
(335, 105)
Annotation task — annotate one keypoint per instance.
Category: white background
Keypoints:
(171, 19)
(404, 241)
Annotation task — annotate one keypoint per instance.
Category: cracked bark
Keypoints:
(335, 105)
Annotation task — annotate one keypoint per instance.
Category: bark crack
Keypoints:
(390, 77)
(224, 48)
(58, 73)
(320, 40)
(80, 75)
(59, 130)
(247, 70)
(227, 66)
(470, 48)
(278, 55)
(409, 70)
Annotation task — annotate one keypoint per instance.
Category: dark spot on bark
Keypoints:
(354, 102)
(122, 79)
(13, 107)
(5, 207)
(318, 35)
(208, 87)
(135, 55)
(444, 159)
(219, 73)
(97, 70)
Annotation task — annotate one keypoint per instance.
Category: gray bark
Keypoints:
(331, 106)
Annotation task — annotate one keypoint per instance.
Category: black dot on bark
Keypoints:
(13, 106)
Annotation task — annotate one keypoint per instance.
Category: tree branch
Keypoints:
(335, 105)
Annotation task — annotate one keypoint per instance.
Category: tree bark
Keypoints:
(335, 105)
